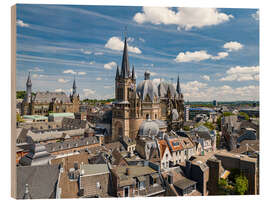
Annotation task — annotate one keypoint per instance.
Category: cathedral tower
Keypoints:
(75, 98)
(26, 105)
(125, 87)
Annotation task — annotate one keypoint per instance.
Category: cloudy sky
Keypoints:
(214, 51)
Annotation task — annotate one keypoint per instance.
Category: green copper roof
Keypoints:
(61, 114)
(34, 117)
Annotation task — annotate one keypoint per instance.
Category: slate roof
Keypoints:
(38, 155)
(47, 97)
(68, 144)
(42, 181)
(147, 87)
(184, 183)
(149, 128)
(163, 89)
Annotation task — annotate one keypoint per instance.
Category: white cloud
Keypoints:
(220, 55)
(206, 77)
(62, 80)
(21, 23)
(38, 76)
(142, 40)
(130, 39)
(233, 46)
(69, 71)
(87, 52)
(152, 73)
(110, 65)
(108, 86)
(81, 73)
(256, 15)
(98, 53)
(36, 69)
(98, 78)
(184, 18)
(196, 91)
(198, 56)
(239, 73)
(59, 90)
(115, 43)
(89, 92)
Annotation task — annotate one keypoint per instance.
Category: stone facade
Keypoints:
(44, 102)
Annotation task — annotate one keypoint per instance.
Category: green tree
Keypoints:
(243, 114)
(224, 188)
(227, 114)
(186, 128)
(19, 118)
(241, 185)
(210, 126)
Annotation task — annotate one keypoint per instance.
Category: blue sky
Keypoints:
(214, 51)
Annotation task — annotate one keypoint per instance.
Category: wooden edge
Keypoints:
(13, 102)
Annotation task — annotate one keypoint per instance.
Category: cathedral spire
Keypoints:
(74, 87)
(133, 73)
(178, 89)
(117, 73)
(28, 83)
(125, 64)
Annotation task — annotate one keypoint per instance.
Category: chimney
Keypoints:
(170, 178)
(127, 171)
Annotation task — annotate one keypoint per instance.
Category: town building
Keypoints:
(42, 103)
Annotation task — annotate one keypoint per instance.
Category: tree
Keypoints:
(19, 118)
(245, 115)
(224, 188)
(241, 185)
(227, 114)
(186, 128)
(210, 126)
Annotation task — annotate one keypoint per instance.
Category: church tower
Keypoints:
(125, 88)
(26, 110)
(75, 98)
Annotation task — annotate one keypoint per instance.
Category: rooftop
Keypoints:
(94, 169)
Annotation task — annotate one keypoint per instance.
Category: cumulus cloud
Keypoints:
(142, 40)
(220, 55)
(81, 73)
(206, 77)
(110, 65)
(62, 80)
(196, 91)
(21, 23)
(98, 53)
(39, 76)
(256, 15)
(69, 71)
(239, 73)
(59, 90)
(233, 46)
(198, 56)
(87, 52)
(89, 92)
(108, 86)
(36, 69)
(184, 18)
(115, 43)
